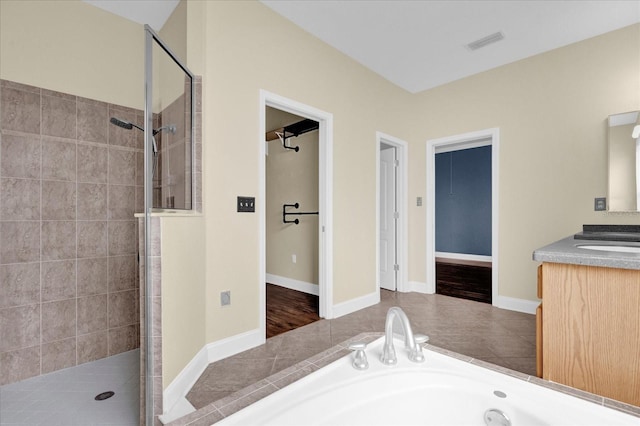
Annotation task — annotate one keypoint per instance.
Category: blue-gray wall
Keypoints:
(463, 201)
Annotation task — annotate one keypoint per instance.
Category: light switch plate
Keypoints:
(600, 204)
(246, 204)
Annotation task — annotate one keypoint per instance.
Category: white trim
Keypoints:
(518, 305)
(418, 287)
(623, 119)
(225, 348)
(463, 141)
(463, 256)
(457, 146)
(174, 396)
(180, 408)
(402, 238)
(303, 286)
(356, 304)
(325, 202)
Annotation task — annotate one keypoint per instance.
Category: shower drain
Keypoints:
(104, 395)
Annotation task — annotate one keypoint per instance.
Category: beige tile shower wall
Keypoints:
(68, 250)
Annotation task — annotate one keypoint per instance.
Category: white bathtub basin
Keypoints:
(442, 391)
(617, 249)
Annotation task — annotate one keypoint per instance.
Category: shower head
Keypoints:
(128, 125)
(124, 124)
(171, 128)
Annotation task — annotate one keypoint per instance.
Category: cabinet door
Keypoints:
(591, 329)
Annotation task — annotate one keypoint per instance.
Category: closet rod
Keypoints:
(285, 213)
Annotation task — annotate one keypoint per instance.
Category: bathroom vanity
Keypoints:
(588, 324)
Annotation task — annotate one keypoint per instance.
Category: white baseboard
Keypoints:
(503, 302)
(235, 344)
(292, 284)
(174, 396)
(356, 304)
(518, 305)
(462, 256)
(418, 287)
(180, 408)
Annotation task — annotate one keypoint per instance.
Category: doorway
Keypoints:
(484, 138)
(291, 221)
(391, 216)
(306, 269)
(463, 222)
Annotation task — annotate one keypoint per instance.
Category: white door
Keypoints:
(388, 219)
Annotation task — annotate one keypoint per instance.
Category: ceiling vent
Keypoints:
(492, 38)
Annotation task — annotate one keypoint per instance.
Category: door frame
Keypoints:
(402, 234)
(325, 201)
(467, 140)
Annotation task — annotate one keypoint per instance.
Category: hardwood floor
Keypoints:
(466, 281)
(289, 309)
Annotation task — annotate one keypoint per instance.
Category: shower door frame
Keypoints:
(150, 37)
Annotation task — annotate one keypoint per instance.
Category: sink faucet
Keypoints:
(412, 342)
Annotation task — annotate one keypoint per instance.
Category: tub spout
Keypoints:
(415, 350)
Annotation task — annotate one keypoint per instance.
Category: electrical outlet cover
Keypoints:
(600, 204)
(225, 298)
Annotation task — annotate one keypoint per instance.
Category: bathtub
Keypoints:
(441, 391)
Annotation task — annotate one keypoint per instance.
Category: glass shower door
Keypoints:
(168, 186)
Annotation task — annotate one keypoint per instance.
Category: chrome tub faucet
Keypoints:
(412, 342)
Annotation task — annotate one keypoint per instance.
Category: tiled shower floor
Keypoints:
(66, 397)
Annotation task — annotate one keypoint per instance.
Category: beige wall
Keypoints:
(72, 47)
(248, 48)
(552, 113)
(292, 177)
(174, 31)
(183, 304)
(551, 110)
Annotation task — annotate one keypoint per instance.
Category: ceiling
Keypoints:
(152, 12)
(419, 45)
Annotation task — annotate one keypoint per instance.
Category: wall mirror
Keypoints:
(624, 162)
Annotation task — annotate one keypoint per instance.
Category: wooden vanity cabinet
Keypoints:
(539, 326)
(590, 332)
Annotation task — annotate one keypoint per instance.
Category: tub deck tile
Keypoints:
(443, 318)
(247, 400)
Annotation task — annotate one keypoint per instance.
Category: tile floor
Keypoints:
(66, 397)
(479, 330)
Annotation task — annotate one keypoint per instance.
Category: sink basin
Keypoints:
(619, 249)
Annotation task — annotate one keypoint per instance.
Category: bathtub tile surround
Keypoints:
(506, 339)
(264, 386)
(68, 273)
